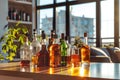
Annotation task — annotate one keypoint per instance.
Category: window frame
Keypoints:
(67, 3)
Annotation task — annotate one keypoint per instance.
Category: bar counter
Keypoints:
(96, 71)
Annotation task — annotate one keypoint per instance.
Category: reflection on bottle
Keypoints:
(24, 69)
(51, 70)
(84, 71)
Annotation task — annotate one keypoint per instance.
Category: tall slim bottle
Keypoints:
(54, 52)
(63, 50)
(85, 52)
(68, 51)
(36, 47)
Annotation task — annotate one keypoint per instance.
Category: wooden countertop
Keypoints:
(96, 71)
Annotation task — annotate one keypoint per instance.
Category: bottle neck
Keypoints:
(26, 40)
(86, 40)
(55, 41)
(35, 37)
(43, 41)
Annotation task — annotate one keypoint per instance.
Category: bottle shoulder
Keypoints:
(25, 46)
(35, 43)
(53, 46)
(85, 47)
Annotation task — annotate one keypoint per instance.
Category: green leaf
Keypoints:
(18, 23)
(9, 58)
(12, 54)
(14, 48)
(25, 30)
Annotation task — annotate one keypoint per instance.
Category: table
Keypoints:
(96, 71)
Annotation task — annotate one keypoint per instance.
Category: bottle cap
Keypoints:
(43, 34)
(62, 35)
(85, 34)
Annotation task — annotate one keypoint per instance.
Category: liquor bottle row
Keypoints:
(14, 14)
(56, 53)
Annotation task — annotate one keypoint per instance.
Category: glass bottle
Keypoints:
(75, 57)
(51, 39)
(63, 50)
(68, 51)
(85, 52)
(36, 47)
(25, 53)
(43, 55)
(54, 52)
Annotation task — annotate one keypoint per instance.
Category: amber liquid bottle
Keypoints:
(74, 57)
(54, 53)
(85, 52)
(43, 57)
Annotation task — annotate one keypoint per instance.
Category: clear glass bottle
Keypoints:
(63, 50)
(85, 52)
(25, 53)
(36, 47)
(35, 43)
(68, 51)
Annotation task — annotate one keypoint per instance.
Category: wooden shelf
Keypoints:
(21, 2)
(23, 22)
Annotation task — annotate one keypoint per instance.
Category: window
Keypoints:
(45, 20)
(60, 20)
(107, 22)
(59, 1)
(82, 19)
(72, 0)
(44, 2)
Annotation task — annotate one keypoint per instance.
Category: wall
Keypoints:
(3, 16)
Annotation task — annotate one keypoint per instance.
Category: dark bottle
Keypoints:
(63, 50)
(10, 14)
(43, 57)
(14, 14)
(17, 14)
(20, 15)
(54, 52)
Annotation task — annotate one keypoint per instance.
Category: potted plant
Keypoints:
(10, 40)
